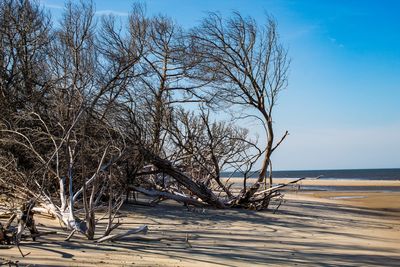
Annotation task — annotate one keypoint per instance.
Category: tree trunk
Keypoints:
(263, 171)
(199, 190)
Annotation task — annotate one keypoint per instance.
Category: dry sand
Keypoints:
(309, 229)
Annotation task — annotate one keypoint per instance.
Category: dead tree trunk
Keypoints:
(25, 219)
(168, 195)
(201, 191)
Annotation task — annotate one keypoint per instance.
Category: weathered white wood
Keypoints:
(274, 188)
(142, 229)
(176, 197)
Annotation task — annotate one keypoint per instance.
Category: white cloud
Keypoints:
(300, 32)
(52, 6)
(111, 12)
(335, 42)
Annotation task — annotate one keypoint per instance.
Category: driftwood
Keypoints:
(179, 198)
(144, 203)
(43, 234)
(200, 190)
(4, 238)
(256, 200)
(43, 212)
(25, 219)
(142, 229)
(70, 235)
(187, 241)
(277, 187)
(6, 215)
(260, 200)
(10, 220)
(149, 238)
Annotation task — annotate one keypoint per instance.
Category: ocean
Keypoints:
(352, 174)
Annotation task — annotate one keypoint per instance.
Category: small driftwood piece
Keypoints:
(43, 212)
(70, 235)
(142, 229)
(10, 220)
(187, 241)
(25, 219)
(5, 215)
(275, 188)
(143, 203)
(147, 238)
(43, 234)
(163, 194)
(4, 238)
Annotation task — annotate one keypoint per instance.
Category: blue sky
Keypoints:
(342, 105)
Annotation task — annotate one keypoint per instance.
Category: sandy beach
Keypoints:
(127, 128)
(309, 229)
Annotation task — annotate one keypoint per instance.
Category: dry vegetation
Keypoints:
(93, 109)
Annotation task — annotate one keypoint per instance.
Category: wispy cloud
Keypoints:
(300, 32)
(52, 6)
(335, 42)
(111, 12)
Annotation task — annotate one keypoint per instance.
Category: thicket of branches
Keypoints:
(93, 105)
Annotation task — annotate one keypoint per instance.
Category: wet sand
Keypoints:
(344, 182)
(309, 229)
(385, 201)
(327, 182)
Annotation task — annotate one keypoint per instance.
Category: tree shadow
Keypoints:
(300, 233)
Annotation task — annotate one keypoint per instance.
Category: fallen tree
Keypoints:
(105, 103)
(258, 201)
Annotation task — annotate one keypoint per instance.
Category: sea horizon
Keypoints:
(391, 174)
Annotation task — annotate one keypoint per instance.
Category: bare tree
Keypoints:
(92, 104)
(205, 147)
(24, 42)
(248, 67)
(164, 81)
(71, 148)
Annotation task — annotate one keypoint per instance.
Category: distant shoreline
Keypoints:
(350, 174)
(337, 185)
